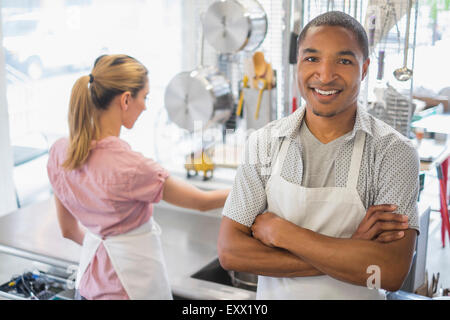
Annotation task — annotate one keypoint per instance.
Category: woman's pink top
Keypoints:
(110, 194)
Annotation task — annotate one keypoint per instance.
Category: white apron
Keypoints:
(137, 259)
(331, 211)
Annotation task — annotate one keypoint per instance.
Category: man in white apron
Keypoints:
(310, 210)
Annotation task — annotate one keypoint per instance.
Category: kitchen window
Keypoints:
(49, 44)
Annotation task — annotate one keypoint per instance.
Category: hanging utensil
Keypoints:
(372, 28)
(392, 7)
(381, 52)
(389, 16)
(259, 63)
(201, 95)
(259, 67)
(380, 70)
(241, 99)
(384, 28)
(404, 74)
(262, 84)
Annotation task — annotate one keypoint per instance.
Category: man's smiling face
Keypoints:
(330, 70)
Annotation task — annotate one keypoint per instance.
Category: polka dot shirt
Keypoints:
(389, 172)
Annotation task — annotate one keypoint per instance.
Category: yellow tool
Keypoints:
(259, 67)
(262, 85)
(241, 99)
(259, 64)
(202, 163)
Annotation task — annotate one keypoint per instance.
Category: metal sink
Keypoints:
(214, 272)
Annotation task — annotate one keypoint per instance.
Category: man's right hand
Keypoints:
(381, 224)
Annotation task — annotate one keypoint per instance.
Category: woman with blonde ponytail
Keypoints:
(104, 191)
(82, 124)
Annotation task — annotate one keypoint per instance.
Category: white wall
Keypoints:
(7, 196)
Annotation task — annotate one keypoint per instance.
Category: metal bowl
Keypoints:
(244, 280)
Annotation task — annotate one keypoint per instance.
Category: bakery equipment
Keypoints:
(202, 95)
(394, 108)
(199, 162)
(231, 26)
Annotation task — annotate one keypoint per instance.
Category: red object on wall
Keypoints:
(443, 176)
(294, 104)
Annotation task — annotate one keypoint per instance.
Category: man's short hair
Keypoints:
(340, 19)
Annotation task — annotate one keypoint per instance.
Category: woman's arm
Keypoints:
(183, 194)
(70, 228)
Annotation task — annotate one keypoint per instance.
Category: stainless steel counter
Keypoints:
(189, 241)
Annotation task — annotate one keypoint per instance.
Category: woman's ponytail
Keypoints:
(91, 95)
(83, 124)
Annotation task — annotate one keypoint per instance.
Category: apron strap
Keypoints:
(355, 164)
